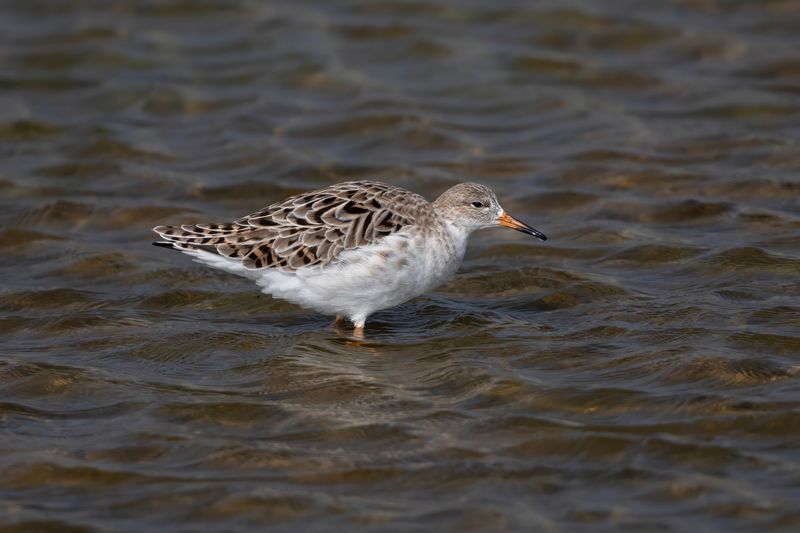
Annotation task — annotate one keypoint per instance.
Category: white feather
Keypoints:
(364, 280)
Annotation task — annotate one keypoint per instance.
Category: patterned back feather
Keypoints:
(309, 229)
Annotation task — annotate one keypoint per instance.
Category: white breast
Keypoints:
(382, 275)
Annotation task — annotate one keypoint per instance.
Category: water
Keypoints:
(639, 370)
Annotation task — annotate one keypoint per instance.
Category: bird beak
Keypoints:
(507, 221)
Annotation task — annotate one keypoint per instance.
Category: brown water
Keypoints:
(638, 370)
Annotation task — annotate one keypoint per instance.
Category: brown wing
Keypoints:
(310, 229)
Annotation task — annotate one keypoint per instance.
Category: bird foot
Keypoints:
(358, 329)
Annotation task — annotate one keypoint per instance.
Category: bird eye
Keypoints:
(476, 204)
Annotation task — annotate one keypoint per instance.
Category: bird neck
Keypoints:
(459, 235)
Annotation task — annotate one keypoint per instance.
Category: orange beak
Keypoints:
(507, 221)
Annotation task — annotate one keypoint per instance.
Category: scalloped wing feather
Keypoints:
(307, 230)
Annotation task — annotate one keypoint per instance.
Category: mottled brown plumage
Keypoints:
(309, 229)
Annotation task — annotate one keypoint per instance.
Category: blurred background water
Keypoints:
(636, 371)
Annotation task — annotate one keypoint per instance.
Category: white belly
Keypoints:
(398, 268)
(366, 280)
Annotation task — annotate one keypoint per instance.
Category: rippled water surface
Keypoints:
(638, 370)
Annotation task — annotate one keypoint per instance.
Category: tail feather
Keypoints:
(231, 241)
(191, 234)
(183, 247)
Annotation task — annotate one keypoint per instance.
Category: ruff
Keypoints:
(349, 249)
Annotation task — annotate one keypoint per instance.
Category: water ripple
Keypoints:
(637, 371)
